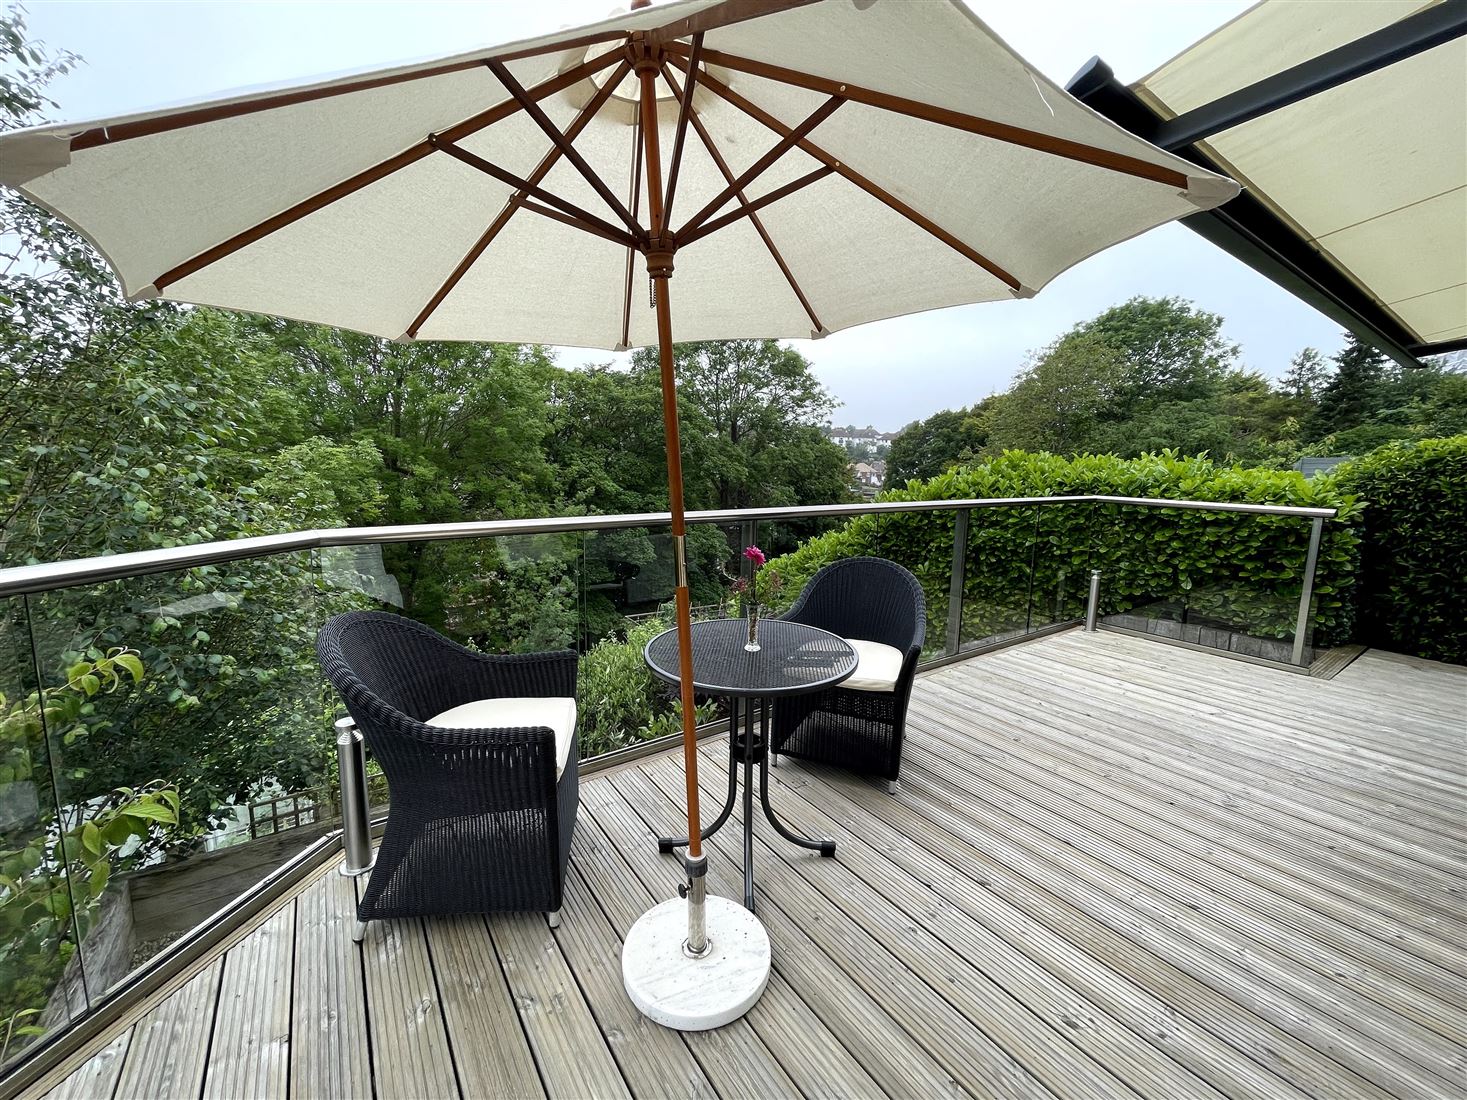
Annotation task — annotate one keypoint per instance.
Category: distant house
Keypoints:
(869, 475)
(848, 434)
(1311, 466)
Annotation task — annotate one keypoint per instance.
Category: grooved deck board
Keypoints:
(1115, 869)
(329, 1054)
(170, 1045)
(97, 1079)
(570, 1050)
(410, 1053)
(249, 1054)
(479, 1012)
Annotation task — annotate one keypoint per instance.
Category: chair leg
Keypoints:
(892, 786)
(553, 919)
(774, 759)
(358, 931)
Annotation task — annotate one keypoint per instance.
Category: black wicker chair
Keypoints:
(860, 723)
(479, 820)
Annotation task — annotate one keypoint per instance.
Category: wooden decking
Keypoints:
(1115, 869)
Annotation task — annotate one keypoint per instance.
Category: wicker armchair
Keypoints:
(878, 607)
(480, 757)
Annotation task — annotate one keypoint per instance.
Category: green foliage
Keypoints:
(1061, 399)
(1306, 377)
(925, 448)
(751, 417)
(620, 701)
(1170, 349)
(1352, 395)
(55, 867)
(1239, 570)
(1413, 557)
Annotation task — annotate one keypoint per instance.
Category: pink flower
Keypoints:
(755, 555)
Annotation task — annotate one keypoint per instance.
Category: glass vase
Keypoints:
(751, 613)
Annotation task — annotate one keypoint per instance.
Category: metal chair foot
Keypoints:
(358, 931)
(553, 919)
(774, 760)
(892, 786)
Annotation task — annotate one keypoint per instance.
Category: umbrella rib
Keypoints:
(515, 200)
(973, 124)
(626, 305)
(749, 208)
(685, 106)
(585, 220)
(850, 175)
(552, 131)
(754, 218)
(790, 139)
(602, 229)
(380, 170)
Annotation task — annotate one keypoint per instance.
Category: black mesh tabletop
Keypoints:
(792, 658)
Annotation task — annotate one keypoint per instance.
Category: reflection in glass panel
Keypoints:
(996, 589)
(41, 982)
(204, 727)
(629, 586)
(1062, 557)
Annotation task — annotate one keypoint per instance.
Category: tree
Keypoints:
(1353, 395)
(925, 448)
(1306, 377)
(460, 430)
(1188, 427)
(743, 402)
(1059, 402)
(1172, 351)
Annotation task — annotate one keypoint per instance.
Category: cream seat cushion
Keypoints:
(877, 667)
(514, 713)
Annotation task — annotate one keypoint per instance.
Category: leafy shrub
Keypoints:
(54, 868)
(1030, 565)
(1413, 554)
(620, 701)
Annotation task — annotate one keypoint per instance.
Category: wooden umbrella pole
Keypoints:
(659, 266)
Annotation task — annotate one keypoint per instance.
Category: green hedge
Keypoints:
(1413, 563)
(620, 701)
(1028, 566)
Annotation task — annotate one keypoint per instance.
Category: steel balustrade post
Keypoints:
(1306, 594)
(956, 583)
(356, 833)
(1092, 605)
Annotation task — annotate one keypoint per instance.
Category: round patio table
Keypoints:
(792, 658)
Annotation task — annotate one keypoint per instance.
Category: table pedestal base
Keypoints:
(746, 750)
(687, 994)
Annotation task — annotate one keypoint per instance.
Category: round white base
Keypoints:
(695, 994)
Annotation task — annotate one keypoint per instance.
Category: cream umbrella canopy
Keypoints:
(802, 166)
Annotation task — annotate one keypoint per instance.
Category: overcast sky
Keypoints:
(141, 54)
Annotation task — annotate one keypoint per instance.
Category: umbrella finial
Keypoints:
(637, 5)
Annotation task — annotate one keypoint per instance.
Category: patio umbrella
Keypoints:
(802, 166)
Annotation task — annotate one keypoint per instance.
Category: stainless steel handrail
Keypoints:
(49, 576)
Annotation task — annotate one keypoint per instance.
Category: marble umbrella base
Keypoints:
(695, 994)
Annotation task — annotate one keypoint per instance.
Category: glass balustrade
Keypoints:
(167, 735)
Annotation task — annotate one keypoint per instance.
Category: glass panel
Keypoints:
(41, 983)
(629, 583)
(920, 541)
(193, 719)
(1224, 580)
(996, 591)
(1062, 564)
